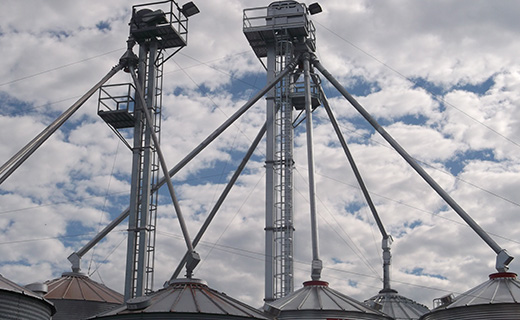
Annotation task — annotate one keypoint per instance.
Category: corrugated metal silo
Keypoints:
(17, 302)
(497, 298)
(76, 296)
(396, 306)
(184, 299)
(317, 301)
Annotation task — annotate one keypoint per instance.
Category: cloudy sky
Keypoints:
(443, 77)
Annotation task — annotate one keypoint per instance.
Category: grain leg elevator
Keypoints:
(280, 33)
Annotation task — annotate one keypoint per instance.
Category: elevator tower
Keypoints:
(279, 33)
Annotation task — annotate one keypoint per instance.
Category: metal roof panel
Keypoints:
(76, 286)
(9, 286)
(397, 306)
(317, 296)
(500, 288)
(190, 296)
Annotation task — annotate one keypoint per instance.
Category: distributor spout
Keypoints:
(192, 261)
(387, 260)
(129, 58)
(75, 260)
(503, 260)
(316, 267)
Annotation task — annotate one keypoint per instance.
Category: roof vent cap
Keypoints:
(444, 300)
(375, 305)
(138, 303)
(37, 287)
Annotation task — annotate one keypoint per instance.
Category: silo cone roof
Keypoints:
(189, 298)
(501, 287)
(9, 286)
(497, 298)
(77, 286)
(316, 297)
(397, 306)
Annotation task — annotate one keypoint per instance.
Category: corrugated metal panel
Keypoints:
(77, 309)
(326, 315)
(497, 298)
(20, 303)
(504, 311)
(317, 301)
(186, 299)
(397, 306)
(18, 306)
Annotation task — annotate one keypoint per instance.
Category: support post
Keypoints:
(135, 199)
(503, 257)
(270, 178)
(317, 264)
(215, 134)
(193, 258)
(220, 200)
(16, 161)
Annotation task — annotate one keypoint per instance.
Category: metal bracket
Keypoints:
(129, 58)
(503, 260)
(192, 261)
(75, 260)
(316, 267)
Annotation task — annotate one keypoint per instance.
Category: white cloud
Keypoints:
(53, 52)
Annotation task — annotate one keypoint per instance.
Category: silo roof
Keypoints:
(8, 285)
(77, 286)
(502, 287)
(316, 295)
(187, 296)
(397, 306)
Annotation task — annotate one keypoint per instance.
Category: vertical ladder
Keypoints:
(152, 211)
(148, 176)
(283, 232)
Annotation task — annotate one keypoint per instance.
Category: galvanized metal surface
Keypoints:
(397, 306)
(317, 301)
(503, 311)
(186, 299)
(274, 32)
(77, 309)
(75, 286)
(503, 258)
(17, 302)
(500, 288)
(261, 24)
(497, 298)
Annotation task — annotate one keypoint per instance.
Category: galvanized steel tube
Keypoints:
(455, 206)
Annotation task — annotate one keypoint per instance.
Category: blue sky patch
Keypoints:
(15, 263)
(104, 26)
(457, 164)
(420, 272)
(479, 88)
(253, 83)
(428, 86)
(413, 224)
(352, 283)
(361, 87)
(439, 91)
(410, 119)
(10, 106)
(353, 207)
(74, 230)
(336, 260)
(60, 34)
